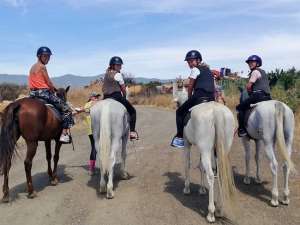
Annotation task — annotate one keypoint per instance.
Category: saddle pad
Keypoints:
(56, 112)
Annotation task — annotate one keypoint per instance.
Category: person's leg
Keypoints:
(181, 112)
(132, 113)
(63, 107)
(242, 108)
(92, 161)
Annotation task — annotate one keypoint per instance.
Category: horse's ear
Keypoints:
(68, 88)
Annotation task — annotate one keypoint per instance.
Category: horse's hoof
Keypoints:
(202, 190)
(124, 175)
(274, 203)
(102, 190)
(54, 182)
(32, 195)
(247, 180)
(186, 191)
(285, 201)
(211, 218)
(5, 199)
(110, 195)
(257, 181)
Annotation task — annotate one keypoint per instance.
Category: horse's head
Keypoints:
(243, 94)
(62, 93)
(180, 95)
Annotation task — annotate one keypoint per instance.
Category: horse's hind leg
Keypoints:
(5, 184)
(246, 144)
(206, 162)
(115, 147)
(56, 158)
(48, 157)
(269, 147)
(258, 145)
(31, 150)
(286, 172)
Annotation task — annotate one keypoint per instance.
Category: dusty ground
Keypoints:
(152, 196)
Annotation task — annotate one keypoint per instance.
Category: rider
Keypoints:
(114, 87)
(257, 87)
(201, 89)
(41, 87)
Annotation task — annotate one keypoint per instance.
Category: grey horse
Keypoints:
(211, 127)
(110, 130)
(270, 122)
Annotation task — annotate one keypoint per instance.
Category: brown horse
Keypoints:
(34, 121)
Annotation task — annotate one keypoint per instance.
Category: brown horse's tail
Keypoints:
(9, 134)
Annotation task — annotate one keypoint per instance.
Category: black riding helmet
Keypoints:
(193, 54)
(43, 50)
(116, 60)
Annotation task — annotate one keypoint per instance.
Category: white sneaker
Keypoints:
(64, 138)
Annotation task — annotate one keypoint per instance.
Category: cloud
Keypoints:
(277, 51)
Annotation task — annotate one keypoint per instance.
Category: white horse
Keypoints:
(210, 127)
(110, 130)
(270, 122)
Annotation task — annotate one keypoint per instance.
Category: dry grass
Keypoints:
(165, 101)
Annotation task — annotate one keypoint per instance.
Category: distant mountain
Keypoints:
(70, 79)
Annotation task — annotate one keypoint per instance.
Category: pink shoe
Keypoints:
(92, 167)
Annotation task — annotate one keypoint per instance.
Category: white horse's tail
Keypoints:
(225, 175)
(279, 112)
(105, 138)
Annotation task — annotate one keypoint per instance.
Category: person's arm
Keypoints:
(119, 78)
(47, 79)
(195, 72)
(191, 86)
(255, 75)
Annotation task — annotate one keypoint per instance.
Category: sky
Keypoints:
(152, 36)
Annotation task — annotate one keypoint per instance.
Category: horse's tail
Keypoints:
(105, 138)
(279, 112)
(9, 133)
(224, 127)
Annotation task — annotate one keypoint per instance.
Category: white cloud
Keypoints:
(277, 51)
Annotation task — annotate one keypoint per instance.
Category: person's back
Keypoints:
(257, 87)
(37, 79)
(201, 89)
(114, 87)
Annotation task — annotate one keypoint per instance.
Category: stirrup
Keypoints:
(242, 132)
(135, 137)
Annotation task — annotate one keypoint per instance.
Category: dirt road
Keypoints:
(152, 197)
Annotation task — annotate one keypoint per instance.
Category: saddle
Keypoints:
(55, 111)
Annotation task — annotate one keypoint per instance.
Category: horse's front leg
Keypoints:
(246, 144)
(55, 159)
(187, 157)
(48, 157)
(123, 173)
(31, 150)
(202, 189)
(258, 146)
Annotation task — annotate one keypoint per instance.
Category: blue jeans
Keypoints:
(62, 106)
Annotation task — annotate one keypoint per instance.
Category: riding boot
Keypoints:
(241, 119)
